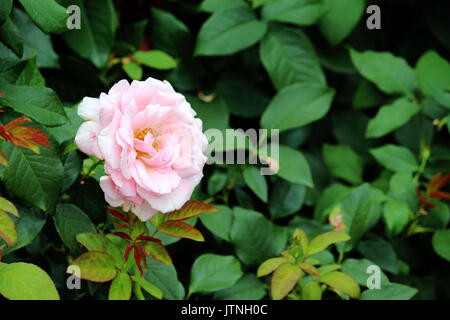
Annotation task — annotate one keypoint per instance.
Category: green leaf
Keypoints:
(229, 31)
(367, 96)
(396, 214)
(342, 282)
(297, 105)
(9, 207)
(328, 200)
(213, 114)
(69, 222)
(68, 131)
(25, 281)
(5, 10)
(165, 278)
(270, 266)
(256, 182)
(391, 291)
(300, 12)
(258, 3)
(293, 167)
(357, 269)
(322, 241)
(170, 34)
(218, 5)
(8, 230)
(391, 117)
(289, 57)
(47, 14)
(433, 73)
(389, 73)
(30, 75)
(381, 253)
(11, 37)
(149, 287)
(96, 266)
(158, 252)
(243, 98)
(301, 238)
(254, 247)
(120, 288)
(286, 199)
(284, 279)
(37, 178)
(395, 158)
(340, 19)
(133, 70)
(28, 225)
(212, 272)
(343, 162)
(10, 70)
(441, 243)
(99, 242)
(155, 59)
(217, 182)
(166, 239)
(72, 168)
(39, 103)
(191, 209)
(35, 42)
(95, 38)
(180, 229)
(356, 208)
(219, 223)
(311, 291)
(247, 288)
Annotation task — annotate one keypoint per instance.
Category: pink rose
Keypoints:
(151, 142)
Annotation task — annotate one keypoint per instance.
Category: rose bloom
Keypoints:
(151, 142)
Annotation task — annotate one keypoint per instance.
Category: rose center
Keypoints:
(140, 135)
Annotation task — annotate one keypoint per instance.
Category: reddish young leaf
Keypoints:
(147, 238)
(437, 182)
(96, 266)
(127, 251)
(143, 254)
(440, 195)
(28, 137)
(3, 159)
(137, 257)
(310, 269)
(157, 252)
(191, 209)
(423, 200)
(117, 214)
(284, 279)
(122, 235)
(180, 229)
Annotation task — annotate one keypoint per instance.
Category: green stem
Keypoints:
(341, 256)
(188, 295)
(423, 163)
(136, 287)
(93, 167)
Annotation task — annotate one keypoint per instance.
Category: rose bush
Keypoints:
(151, 142)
